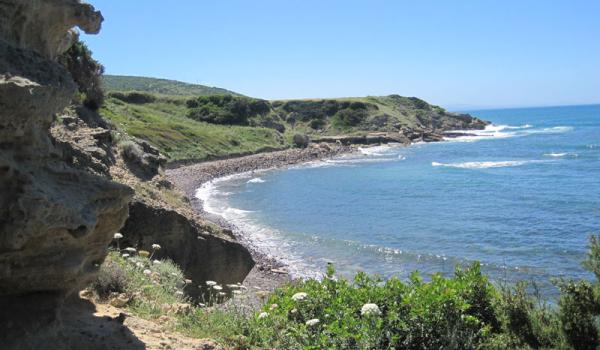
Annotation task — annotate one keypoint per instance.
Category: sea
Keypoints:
(521, 197)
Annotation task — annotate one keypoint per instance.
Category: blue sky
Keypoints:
(458, 54)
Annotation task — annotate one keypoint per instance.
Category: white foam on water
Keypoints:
(350, 161)
(493, 131)
(556, 155)
(377, 151)
(485, 165)
(256, 180)
(266, 240)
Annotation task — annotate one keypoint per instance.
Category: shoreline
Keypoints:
(268, 273)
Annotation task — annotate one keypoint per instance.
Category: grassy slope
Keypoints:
(159, 86)
(163, 123)
(399, 110)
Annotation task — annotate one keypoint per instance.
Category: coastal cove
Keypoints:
(511, 197)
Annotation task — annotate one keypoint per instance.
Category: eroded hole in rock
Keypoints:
(79, 231)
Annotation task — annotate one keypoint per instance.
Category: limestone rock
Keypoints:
(120, 300)
(44, 26)
(55, 220)
(211, 258)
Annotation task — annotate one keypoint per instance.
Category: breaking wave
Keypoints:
(493, 131)
(485, 165)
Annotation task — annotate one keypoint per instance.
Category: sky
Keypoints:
(457, 54)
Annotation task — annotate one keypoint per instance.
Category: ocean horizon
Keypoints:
(521, 197)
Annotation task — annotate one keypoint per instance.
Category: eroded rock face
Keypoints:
(45, 26)
(55, 221)
(202, 256)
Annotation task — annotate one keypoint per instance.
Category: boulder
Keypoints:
(301, 140)
(200, 255)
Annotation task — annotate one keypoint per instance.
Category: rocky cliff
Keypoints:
(67, 180)
(55, 220)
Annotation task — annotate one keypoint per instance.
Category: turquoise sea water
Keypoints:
(521, 198)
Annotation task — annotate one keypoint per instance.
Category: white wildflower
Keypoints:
(156, 262)
(293, 311)
(139, 264)
(221, 294)
(131, 249)
(118, 236)
(273, 307)
(237, 292)
(313, 322)
(370, 309)
(147, 272)
(263, 315)
(187, 281)
(155, 246)
(179, 293)
(299, 296)
(125, 255)
(217, 287)
(211, 283)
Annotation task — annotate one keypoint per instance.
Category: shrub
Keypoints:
(133, 97)
(518, 307)
(301, 140)
(412, 315)
(462, 312)
(351, 117)
(86, 73)
(226, 109)
(310, 110)
(578, 308)
(132, 151)
(317, 124)
(111, 279)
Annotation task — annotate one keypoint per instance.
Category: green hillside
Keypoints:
(204, 127)
(164, 124)
(159, 86)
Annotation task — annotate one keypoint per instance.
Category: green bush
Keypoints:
(461, 312)
(226, 109)
(317, 124)
(442, 313)
(110, 279)
(133, 97)
(351, 117)
(132, 151)
(86, 72)
(305, 110)
(578, 310)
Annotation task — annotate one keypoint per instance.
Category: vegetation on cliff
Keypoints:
(86, 72)
(465, 311)
(165, 125)
(159, 86)
(220, 125)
